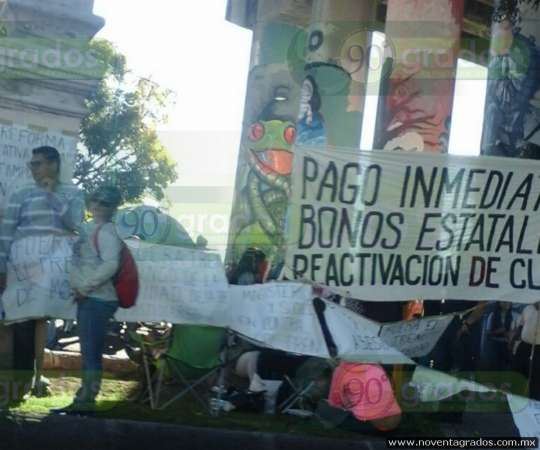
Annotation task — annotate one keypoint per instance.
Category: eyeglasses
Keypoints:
(104, 203)
(32, 165)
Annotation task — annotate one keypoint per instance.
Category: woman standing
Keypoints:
(95, 263)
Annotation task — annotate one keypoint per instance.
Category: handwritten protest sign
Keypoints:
(16, 144)
(38, 281)
(180, 285)
(395, 226)
(279, 315)
(188, 286)
(176, 284)
(357, 338)
(415, 338)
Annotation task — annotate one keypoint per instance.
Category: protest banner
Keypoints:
(415, 338)
(393, 226)
(526, 414)
(16, 144)
(188, 286)
(357, 338)
(180, 285)
(278, 315)
(38, 278)
(177, 284)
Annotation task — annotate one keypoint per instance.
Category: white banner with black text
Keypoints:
(389, 226)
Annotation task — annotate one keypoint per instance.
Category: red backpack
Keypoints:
(126, 279)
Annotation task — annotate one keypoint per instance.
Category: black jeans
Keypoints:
(23, 345)
(23, 358)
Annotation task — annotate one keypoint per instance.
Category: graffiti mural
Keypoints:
(512, 112)
(304, 87)
(310, 120)
(333, 90)
(417, 85)
(422, 44)
(266, 151)
(267, 187)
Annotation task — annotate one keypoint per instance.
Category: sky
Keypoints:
(200, 56)
(193, 51)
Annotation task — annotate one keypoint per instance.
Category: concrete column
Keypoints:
(47, 72)
(512, 111)
(266, 150)
(422, 45)
(418, 80)
(337, 59)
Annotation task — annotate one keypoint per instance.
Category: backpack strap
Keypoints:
(96, 243)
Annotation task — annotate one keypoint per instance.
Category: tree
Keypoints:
(118, 135)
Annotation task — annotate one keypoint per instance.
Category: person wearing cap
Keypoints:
(47, 207)
(96, 258)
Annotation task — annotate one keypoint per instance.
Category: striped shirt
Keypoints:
(32, 211)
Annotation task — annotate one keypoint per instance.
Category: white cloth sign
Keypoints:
(280, 315)
(37, 279)
(357, 338)
(188, 286)
(415, 338)
(16, 144)
(179, 285)
(392, 226)
(175, 284)
(526, 413)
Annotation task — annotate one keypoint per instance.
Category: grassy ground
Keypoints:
(119, 400)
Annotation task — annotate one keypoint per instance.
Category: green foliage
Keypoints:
(121, 146)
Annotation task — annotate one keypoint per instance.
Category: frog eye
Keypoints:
(289, 135)
(256, 131)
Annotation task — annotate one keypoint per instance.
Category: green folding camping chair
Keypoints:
(145, 346)
(195, 355)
